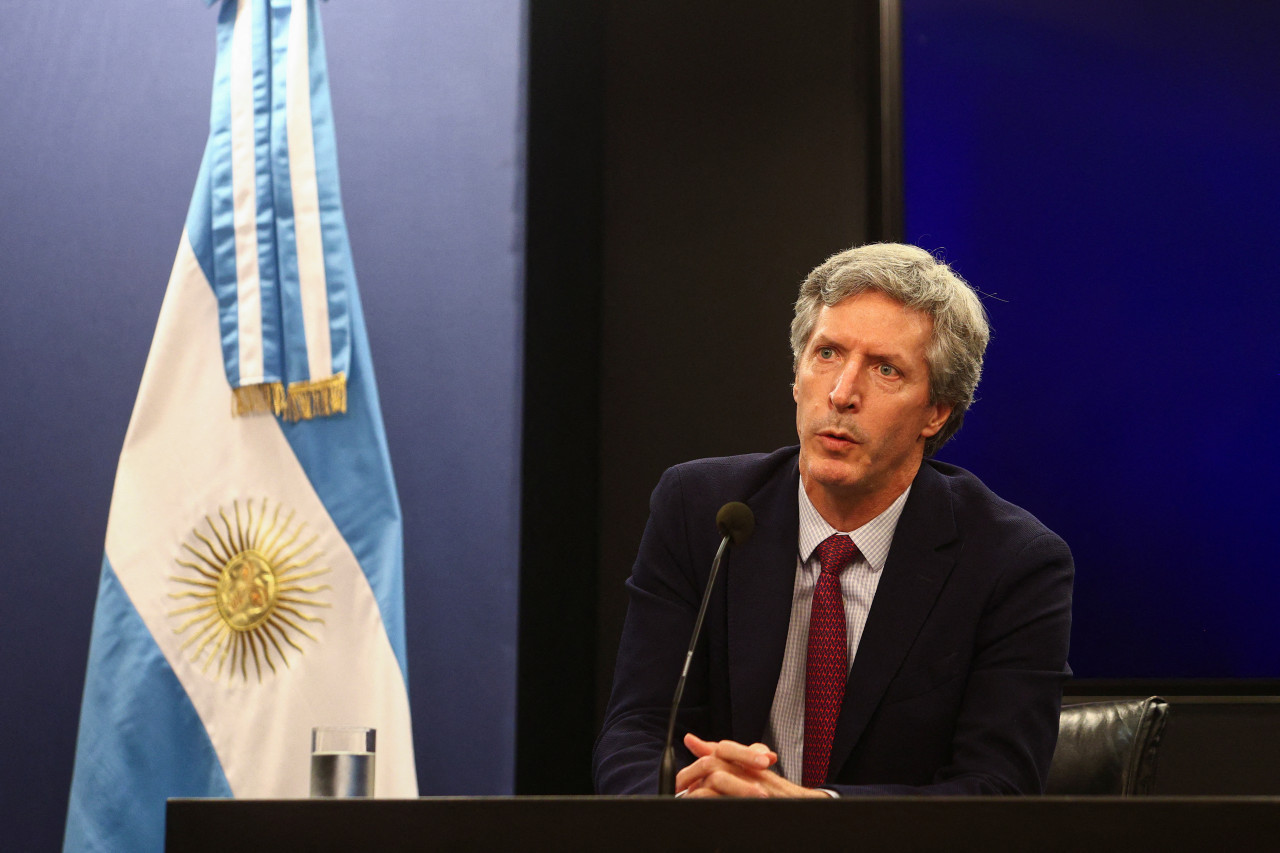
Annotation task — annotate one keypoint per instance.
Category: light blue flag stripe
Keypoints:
(201, 219)
(297, 368)
(216, 170)
(140, 738)
(275, 361)
(293, 345)
(338, 266)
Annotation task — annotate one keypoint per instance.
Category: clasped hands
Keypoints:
(729, 769)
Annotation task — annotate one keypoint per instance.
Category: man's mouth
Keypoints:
(836, 438)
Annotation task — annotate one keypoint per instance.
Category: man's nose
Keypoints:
(847, 392)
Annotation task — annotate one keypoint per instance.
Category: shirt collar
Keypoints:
(873, 538)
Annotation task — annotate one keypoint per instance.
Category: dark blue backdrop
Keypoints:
(103, 116)
(1107, 173)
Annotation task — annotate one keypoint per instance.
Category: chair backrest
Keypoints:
(1108, 747)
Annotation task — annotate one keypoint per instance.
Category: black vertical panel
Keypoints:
(559, 522)
(689, 163)
(740, 141)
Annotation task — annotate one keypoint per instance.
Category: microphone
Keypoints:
(736, 523)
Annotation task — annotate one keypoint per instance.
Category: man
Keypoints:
(892, 626)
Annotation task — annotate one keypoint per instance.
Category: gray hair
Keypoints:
(921, 282)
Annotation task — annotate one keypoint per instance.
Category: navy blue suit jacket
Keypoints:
(957, 682)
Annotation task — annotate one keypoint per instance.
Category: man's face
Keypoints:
(862, 403)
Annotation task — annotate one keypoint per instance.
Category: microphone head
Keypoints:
(737, 521)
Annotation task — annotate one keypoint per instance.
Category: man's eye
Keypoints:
(825, 353)
(887, 370)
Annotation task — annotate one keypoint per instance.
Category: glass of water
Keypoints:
(342, 761)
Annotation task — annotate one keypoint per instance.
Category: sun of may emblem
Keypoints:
(248, 582)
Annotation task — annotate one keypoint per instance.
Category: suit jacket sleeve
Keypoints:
(664, 593)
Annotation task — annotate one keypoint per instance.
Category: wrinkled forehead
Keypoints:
(873, 316)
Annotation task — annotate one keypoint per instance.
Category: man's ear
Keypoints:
(938, 418)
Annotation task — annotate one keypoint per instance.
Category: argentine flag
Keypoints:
(252, 585)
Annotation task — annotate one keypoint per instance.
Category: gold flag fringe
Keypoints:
(301, 402)
(317, 399)
(253, 399)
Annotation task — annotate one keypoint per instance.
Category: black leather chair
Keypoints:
(1108, 747)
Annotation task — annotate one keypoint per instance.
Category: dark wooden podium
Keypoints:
(1039, 824)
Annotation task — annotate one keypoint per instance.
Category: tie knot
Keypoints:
(835, 552)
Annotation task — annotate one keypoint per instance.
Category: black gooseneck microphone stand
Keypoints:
(736, 523)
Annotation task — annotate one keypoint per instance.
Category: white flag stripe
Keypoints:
(181, 456)
(245, 197)
(306, 201)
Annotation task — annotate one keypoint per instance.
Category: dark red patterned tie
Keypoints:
(827, 665)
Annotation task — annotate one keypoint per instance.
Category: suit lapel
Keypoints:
(759, 584)
(914, 574)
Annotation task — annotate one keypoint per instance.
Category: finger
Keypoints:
(692, 786)
(698, 746)
(763, 747)
(732, 782)
(777, 786)
(757, 755)
(690, 774)
(701, 793)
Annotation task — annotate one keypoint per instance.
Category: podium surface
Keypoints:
(1038, 824)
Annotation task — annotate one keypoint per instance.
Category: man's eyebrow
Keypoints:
(820, 339)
